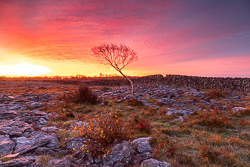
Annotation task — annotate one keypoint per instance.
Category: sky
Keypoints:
(185, 37)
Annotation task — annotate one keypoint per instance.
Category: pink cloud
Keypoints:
(162, 32)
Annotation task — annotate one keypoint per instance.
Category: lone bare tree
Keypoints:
(117, 56)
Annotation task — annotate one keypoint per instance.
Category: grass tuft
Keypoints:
(44, 159)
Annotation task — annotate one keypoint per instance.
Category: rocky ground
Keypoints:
(25, 136)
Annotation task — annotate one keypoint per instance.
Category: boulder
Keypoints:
(37, 104)
(122, 152)
(41, 121)
(18, 107)
(142, 144)
(50, 129)
(166, 101)
(20, 162)
(235, 109)
(8, 114)
(6, 145)
(28, 119)
(31, 146)
(142, 156)
(11, 156)
(180, 112)
(35, 140)
(44, 151)
(15, 128)
(75, 142)
(65, 162)
(53, 141)
(119, 164)
(154, 163)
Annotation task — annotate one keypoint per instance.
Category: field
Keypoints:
(199, 127)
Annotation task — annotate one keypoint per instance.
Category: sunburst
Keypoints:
(24, 69)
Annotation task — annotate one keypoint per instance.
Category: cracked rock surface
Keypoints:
(22, 144)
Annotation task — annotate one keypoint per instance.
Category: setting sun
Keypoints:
(24, 69)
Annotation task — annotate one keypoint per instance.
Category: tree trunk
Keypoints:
(132, 85)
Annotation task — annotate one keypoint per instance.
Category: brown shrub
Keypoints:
(85, 94)
(103, 133)
(214, 93)
(135, 102)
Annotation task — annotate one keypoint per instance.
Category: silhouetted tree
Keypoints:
(116, 56)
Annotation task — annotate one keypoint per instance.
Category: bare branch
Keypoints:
(117, 56)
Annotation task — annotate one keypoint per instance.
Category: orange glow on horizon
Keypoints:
(24, 69)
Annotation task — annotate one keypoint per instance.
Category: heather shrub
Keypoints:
(85, 94)
(145, 126)
(103, 132)
(140, 124)
(214, 93)
(135, 102)
(82, 94)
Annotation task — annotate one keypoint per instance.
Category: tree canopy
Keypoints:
(117, 56)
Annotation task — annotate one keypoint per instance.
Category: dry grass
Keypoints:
(44, 159)
(215, 119)
(205, 138)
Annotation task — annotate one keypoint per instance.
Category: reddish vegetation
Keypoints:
(214, 93)
(103, 133)
(215, 119)
(144, 125)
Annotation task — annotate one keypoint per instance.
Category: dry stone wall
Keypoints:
(226, 84)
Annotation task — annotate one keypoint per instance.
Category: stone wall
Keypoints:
(226, 84)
